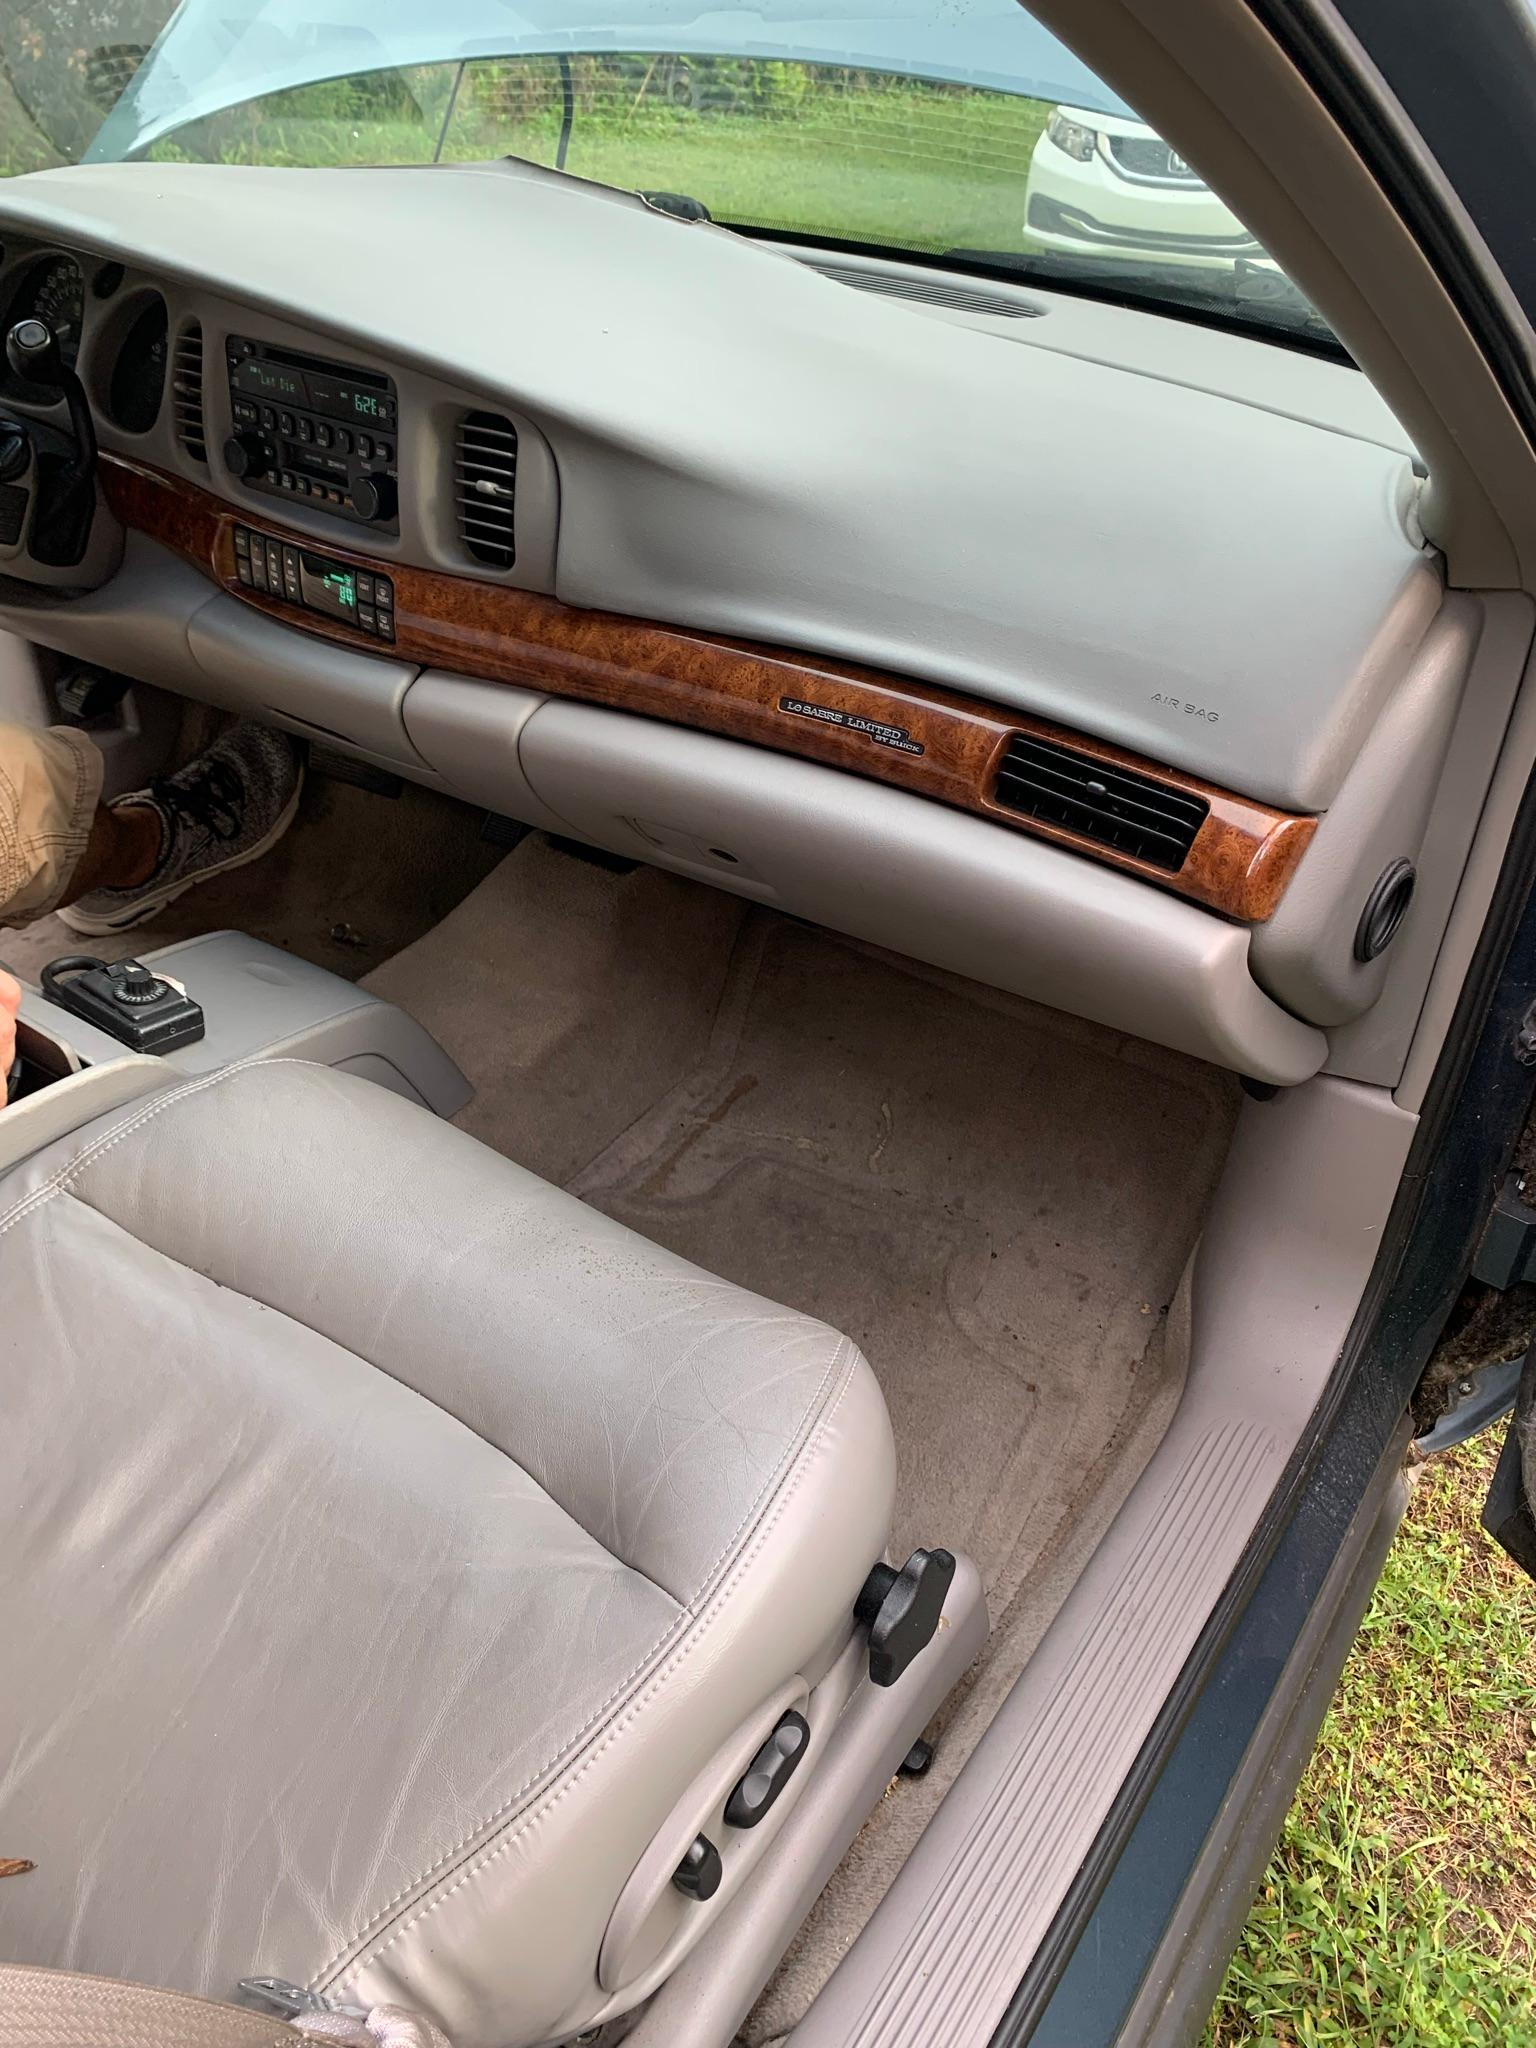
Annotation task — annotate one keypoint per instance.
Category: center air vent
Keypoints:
(485, 486)
(187, 391)
(1129, 812)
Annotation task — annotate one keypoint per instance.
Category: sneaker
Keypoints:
(223, 809)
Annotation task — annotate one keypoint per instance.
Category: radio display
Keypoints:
(268, 381)
(315, 387)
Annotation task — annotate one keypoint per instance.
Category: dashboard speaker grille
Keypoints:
(187, 391)
(485, 486)
(1118, 808)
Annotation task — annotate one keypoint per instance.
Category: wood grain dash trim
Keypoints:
(914, 736)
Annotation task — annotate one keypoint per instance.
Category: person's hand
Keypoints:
(10, 1003)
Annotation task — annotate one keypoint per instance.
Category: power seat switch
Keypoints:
(769, 1772)
(901, 1610)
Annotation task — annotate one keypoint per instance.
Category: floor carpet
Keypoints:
(994, 1199)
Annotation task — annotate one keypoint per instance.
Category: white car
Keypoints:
(1108, 185)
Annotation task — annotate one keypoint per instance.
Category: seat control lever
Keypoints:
(698, 1875)
(769, 1772)
(901, 1610)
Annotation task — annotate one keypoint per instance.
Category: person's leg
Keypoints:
(225, 808)
(50, 783)
(122, 852)
(107, 867)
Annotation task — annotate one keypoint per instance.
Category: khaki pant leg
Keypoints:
(50, 783)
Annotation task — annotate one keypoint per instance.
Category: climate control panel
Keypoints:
(313, 431)
(315, 582)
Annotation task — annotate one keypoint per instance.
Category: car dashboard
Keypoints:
(1067, 674)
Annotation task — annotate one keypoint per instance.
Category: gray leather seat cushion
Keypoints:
(389, 1539)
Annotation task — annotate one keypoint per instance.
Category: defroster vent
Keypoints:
(187, 391)
(1115, 806)
(485, 486)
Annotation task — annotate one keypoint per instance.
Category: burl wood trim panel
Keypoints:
(912, 735)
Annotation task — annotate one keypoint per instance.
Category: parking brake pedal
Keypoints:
(901, 1610)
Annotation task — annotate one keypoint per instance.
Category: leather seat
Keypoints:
(398, 1556)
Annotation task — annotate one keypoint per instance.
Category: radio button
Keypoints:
(365, 446)
(322, 435)
(305, 430)
(268, 417)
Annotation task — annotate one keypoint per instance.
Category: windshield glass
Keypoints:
(945, 130)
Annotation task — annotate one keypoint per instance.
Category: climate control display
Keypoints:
(299, 576)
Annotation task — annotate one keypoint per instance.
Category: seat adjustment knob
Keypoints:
(769, 1772)
(901, 1610)
(698, 1875)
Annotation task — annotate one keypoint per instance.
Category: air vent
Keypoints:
(1129, 812)
(958, 298)
(187, 391)
(485, 486)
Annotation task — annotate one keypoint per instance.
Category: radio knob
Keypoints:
(247, 455)
(374, 495)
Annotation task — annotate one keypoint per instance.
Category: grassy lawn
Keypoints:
(915, 166)
(1400, 1907)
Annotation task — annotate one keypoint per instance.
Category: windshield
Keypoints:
(954, 131)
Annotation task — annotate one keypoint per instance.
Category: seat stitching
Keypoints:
(74, 1167)
(510, 1837)
(416, 1393)
(808, 1433)
(109, 1139)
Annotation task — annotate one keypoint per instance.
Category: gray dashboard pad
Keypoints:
(747, 447)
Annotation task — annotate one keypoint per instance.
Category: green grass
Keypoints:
(1400, 1908)
(916, 167)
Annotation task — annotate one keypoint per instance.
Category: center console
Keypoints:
(314, 430)
(257, 1002)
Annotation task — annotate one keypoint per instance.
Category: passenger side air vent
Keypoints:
(485, 486)
(187, 391)
(1129, 812)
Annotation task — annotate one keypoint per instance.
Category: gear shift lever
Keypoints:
(65, 490)
(33, 352)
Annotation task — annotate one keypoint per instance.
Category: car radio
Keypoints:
(312, 430)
